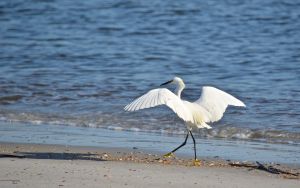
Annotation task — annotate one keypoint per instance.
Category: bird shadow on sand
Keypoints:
(55, 156)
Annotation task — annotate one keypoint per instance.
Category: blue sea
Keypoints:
(74, 65)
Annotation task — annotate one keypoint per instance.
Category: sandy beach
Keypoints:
(38, 165)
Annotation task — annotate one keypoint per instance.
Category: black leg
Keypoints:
(194, 145)
(187, 135)
(171, 153)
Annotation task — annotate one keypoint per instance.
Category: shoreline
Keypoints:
(134, 155)
(33, 165)
(238, 150)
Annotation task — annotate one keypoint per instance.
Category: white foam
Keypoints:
(134, 129)
(115, 128)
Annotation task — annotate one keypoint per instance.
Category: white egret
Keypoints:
(208, 108)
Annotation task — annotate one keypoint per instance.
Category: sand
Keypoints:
(32, 165)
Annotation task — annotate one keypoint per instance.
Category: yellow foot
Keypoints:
(197, 162)
(168, 155)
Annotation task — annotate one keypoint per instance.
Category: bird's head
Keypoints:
(175, 80)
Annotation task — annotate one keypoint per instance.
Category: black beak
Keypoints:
(166, 83)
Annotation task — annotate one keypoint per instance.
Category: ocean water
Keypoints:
(78, 63)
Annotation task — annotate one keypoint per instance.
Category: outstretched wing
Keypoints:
(161, 96)
(216, 101)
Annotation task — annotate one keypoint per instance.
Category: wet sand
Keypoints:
(38, 165)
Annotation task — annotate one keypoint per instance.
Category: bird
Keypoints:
(209, 108)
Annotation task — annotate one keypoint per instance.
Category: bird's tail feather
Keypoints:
(203, 125)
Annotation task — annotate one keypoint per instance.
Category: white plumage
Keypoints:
(161, 96)
(210, 107)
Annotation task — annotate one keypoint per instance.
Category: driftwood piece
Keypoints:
(260, 166)
(269, 169)
(274, 170)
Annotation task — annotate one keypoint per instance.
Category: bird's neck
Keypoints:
(179, 89)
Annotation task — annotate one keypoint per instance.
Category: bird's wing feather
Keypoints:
(216, 101)
(161, 96)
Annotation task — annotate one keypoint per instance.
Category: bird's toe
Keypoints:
(168, 155)
(197, 162)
